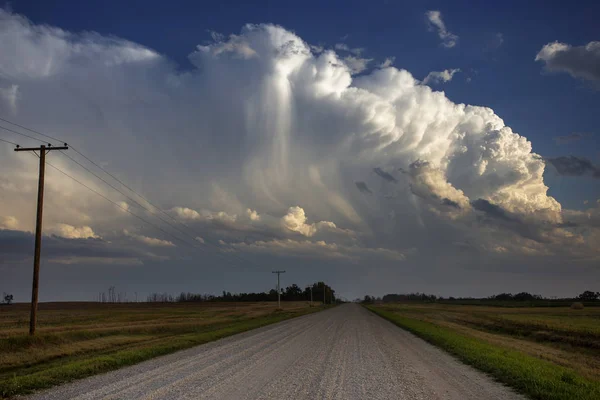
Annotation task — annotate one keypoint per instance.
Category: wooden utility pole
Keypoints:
(42, 150)
(278, 288)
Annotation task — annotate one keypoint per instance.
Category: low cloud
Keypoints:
(73, 260)
(571, 138)
(318, 249)
(9, 222)
(357, 51)
(385, 175)
(574, 166)
(490, 209)
(295, 220)
(388, 62)
(189, 214)
(578, 61)
(362, 186)
(253, 215)
(72, 232)
(17, 246)
(436, 23)
(357, 64)
(150, 241)
(436, 77)
(186, 213)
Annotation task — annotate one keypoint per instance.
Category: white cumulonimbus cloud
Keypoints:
(264, 122)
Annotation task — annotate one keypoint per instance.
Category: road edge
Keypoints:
(526, 375)
(17, 386)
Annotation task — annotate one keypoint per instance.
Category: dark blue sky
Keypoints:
(535, 104)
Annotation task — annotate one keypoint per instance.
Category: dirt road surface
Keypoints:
(342, 353)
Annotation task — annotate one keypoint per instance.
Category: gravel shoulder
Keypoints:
(342, 353)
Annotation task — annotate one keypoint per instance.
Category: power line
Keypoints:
(31, 130)
(145, 199)
(88, 170)
(22, 134)
(118, 205)
(135, 215)
(87, 158)
(154, 206)
(131, 199)
(95, 164)
(107, 183)
(122, 183)
(8, 141)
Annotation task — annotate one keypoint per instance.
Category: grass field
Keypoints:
(544, 353)
(75, 340)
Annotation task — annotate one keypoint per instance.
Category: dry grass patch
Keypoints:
(556, 350)
(74, 340)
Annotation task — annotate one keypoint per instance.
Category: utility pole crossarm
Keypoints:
(38, 228)
(40, 148)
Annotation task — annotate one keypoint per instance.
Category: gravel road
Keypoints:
(343, 353)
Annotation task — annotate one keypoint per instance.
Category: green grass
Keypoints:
(533, 376)
(101, 338)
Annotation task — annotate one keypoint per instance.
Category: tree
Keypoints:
(368, 299)
(8, 298)
(293, 293)
(588, 295)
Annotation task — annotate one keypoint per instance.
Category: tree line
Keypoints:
(321, 292)
(587, 296)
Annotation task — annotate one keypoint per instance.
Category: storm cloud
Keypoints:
(256, 149)
(574, 166)
(385, 175)
(578, 61)
(363, 187)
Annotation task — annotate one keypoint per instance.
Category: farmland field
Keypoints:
(74, 340)
(545, 353)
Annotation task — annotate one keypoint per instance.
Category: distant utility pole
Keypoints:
(42, 150)
(278, 288)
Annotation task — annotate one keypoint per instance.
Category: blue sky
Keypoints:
(286, 154)
(536, 104)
